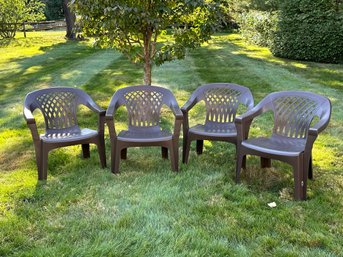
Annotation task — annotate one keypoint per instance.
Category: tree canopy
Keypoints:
(134, 26)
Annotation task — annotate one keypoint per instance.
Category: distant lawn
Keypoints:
(148, 210)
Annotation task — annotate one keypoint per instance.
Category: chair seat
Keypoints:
(278, 145)
(144, 136)
(68, 137)
(225, 130)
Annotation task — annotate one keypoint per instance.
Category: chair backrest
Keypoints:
(295, 110)
(222, 101)
(144, 104)
(58, 106)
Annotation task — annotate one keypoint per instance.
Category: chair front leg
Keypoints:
(43, 170)
(300, 178)
(240, 163)
(174, 154)
(310, 168)
(115, 156)
(186, 148)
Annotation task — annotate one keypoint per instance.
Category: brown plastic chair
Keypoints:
(143, 104)
(222, 101)
(59, 106)
(292, 137)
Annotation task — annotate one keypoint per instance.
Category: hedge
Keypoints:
(310, 30)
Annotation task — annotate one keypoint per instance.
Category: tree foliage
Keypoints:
(257, 19)
(13, 12)
(134, 26)
(53, 9)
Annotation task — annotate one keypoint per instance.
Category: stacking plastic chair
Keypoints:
(292, 137)
(143, 104)
(222, 101)
(59, 106)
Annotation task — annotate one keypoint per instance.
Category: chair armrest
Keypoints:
(189, 104)
(94, 107)
(112, 107)
(244, 121)
(111, 110)
(249, 115)
(31, 123)
(28, 116)
(177, 112)
(313, 132)
(174, 107)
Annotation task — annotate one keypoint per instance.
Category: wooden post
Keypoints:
(24, 29)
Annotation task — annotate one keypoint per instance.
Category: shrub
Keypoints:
(258, 27)
(16, 11)
(310, 30)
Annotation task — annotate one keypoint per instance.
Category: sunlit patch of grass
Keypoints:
(147, 210)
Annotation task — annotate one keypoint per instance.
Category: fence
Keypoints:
(34, 26)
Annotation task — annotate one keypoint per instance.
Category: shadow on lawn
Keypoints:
(63, 64)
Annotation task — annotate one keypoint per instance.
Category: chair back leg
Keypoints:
(200, 146)
(164, 151)
(85, 151)
(123, 154)
(266, 162)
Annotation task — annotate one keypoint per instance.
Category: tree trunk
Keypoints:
(70, 20)
(147, 57)
(147, 72)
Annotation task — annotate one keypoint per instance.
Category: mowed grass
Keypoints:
(147, 210)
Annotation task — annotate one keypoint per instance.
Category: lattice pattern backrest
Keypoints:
(58, 108)
(144, 107)
(293, 115)
(221, 104)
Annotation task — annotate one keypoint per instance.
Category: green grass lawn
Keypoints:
(147, 210)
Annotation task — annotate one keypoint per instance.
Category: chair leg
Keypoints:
(85, 151)
(102, 152)
(43, 174)
(200, 146)
(266, 162)
(239, 163)
(186, 149)
(164, 151)
(300, 179)
(38, 151)
(310, 169)
(244, 162)
(173, 158)
(176, 157)
(123, 154)
(115, 157)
